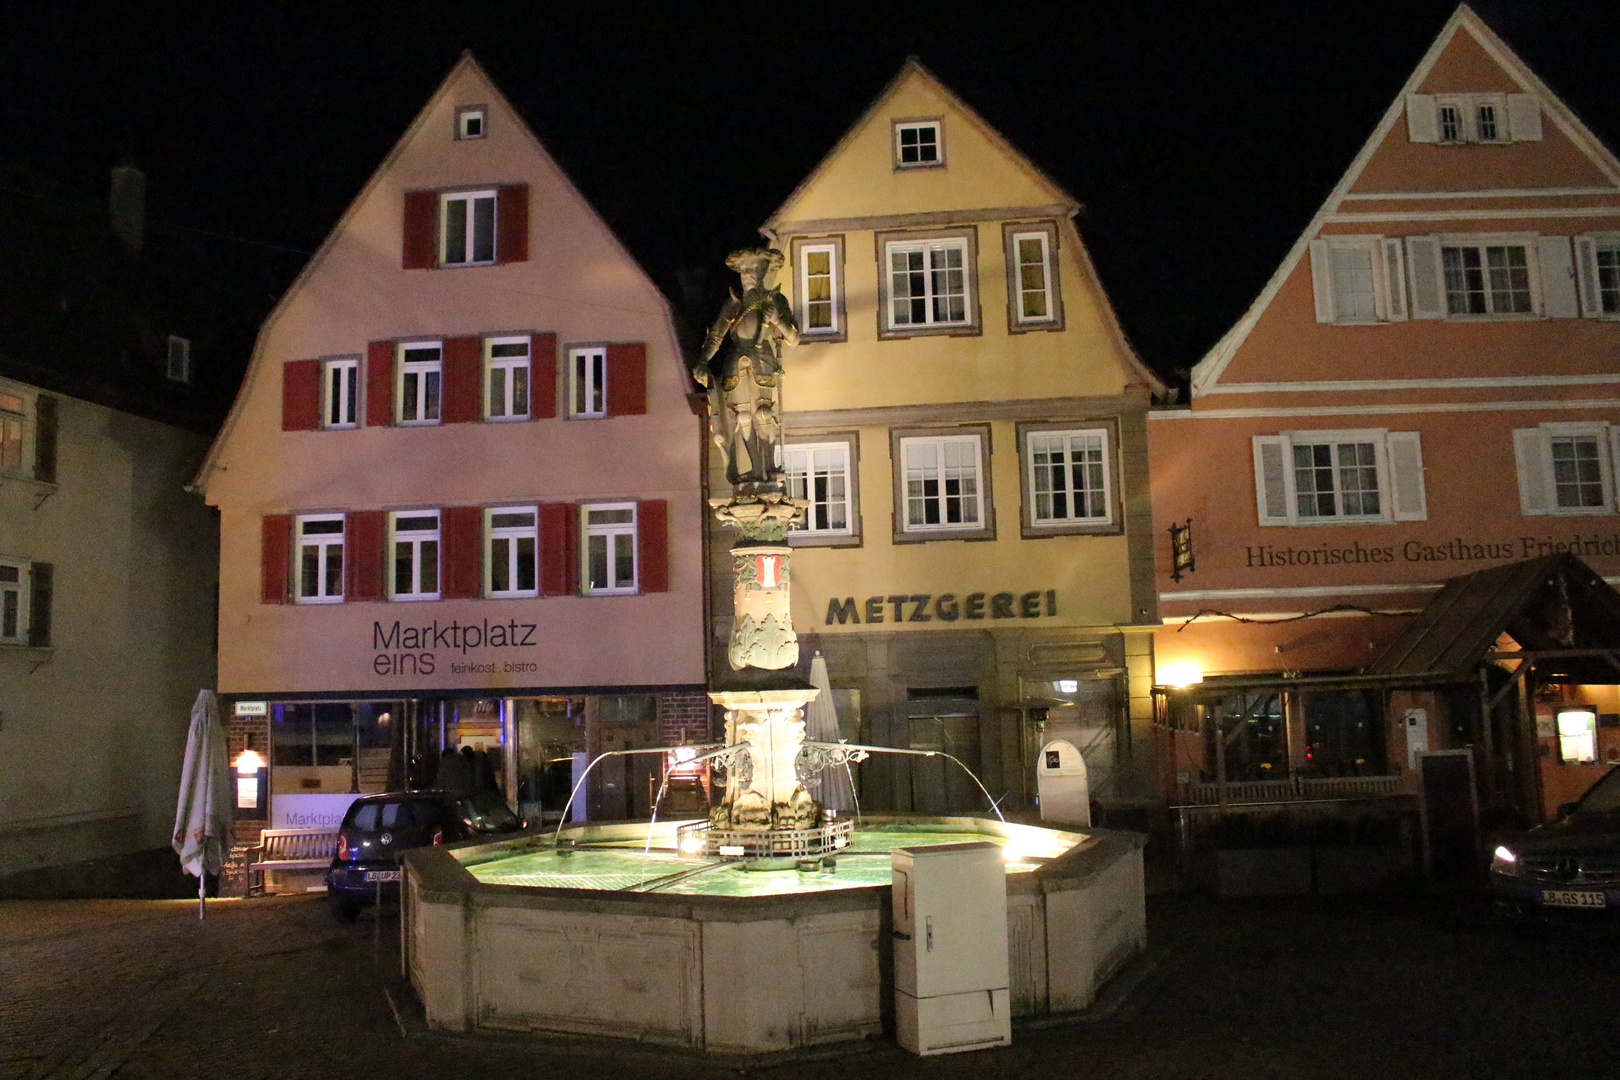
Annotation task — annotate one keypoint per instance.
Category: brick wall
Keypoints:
(684, 716)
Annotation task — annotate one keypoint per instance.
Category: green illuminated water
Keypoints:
(863, 863)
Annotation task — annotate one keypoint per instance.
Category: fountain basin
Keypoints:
(509, 936)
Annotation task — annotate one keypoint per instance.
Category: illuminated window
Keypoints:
(917, 144)
(415, 551)
(1577, 736)
(513, 540)
(609, 550)
(420, 370)
(340, 392)
(508, 378)
(467, 228)
(1034, 272)
(587, 383)
(818, 288)
(320, 558)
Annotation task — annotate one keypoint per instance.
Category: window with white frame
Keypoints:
(819, 474)
(1606, 255)
(1032, 268)
(508, 378)
(466, 228)
(415, 550)
(1451, 122)
(13, 602)
(421, 370)
(320, 558)
(917, 144)
(1068, 477)
(179, 359)
(1463, 119)
(1597, 261)
(1358, 279)
(340, 392)
(1577, 736)
(513, 537)
(609, 550)
(943, 483)
(818, 289)
(928, 283)
(587, 382)
(13, 414)
(1486, 278)
(1566, 468)
(1489, 121)
(1339, 477)
(470, 122)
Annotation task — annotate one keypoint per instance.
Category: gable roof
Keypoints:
(467, 64)
(1207, 373)
(910, 71)
(1556, 602)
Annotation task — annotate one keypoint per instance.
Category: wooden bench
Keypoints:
(289, 849)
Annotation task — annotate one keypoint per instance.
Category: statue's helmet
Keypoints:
(761, 260)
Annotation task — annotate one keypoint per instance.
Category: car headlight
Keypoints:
(1504, 861)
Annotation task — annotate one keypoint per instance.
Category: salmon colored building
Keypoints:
(459, 490)
(1427, 387)
(967, 422)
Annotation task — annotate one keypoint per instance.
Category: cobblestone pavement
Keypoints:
(1255, 989)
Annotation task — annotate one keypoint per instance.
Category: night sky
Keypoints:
(1199, 138)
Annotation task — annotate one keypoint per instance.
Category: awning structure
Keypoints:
(1562, 616)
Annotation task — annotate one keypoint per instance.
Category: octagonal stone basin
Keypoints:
(689, 951)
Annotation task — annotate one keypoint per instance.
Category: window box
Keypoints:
(919, 144)
(928, 284)
(1034, 301)
(1339, 477)
(414, 555)
(1567, 468)
(942, 484)
(1069, 478)
(822, 470)
(818, 288)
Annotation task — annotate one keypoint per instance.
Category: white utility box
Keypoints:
(1061, 783)
(950, 948)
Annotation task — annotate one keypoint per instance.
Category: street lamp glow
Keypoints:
(248, 762)
(1180, 673)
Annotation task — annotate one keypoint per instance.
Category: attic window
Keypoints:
(1463, 119)
(179, 359)
(917, 144)
(470, 122)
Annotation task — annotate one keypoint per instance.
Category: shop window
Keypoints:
(1344, 735)
(312, 734)
(415, 554)
(627, 708)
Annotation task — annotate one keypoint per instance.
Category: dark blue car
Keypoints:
(1570, 866)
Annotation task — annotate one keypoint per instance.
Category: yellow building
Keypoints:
(967, 421)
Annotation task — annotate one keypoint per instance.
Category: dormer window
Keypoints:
(917, 144)
(1463, 119)
(470, 122)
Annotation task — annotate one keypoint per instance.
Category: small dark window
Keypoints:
(179, 359)
(925, 693)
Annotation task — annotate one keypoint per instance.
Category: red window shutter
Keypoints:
(627, 379)
(463, 532)
(300, 395)
(652, 545)
(275, 559)
(512, 223)
(420, 248)
(559, 549)
(463, 380)
(543, 377)
(379, 384)
(364, 532)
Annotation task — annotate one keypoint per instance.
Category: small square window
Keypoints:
(917, 144)
(179, 359)
(587, 383)
(470, 122)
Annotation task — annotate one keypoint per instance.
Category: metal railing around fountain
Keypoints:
(830, 836)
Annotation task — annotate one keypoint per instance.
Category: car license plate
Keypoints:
(393, 875)
(1580, 898)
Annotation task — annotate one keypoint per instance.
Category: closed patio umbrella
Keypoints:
(821, 725)
(202, 816)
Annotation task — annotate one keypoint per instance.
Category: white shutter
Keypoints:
(1535, 486)
(1587, 276)
(1423, 264)
(1321, 284)
(1557, 278)
(1524, 117)
(1395, 280)
(1422, 125)
(1407, 496)
(1271, 478)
